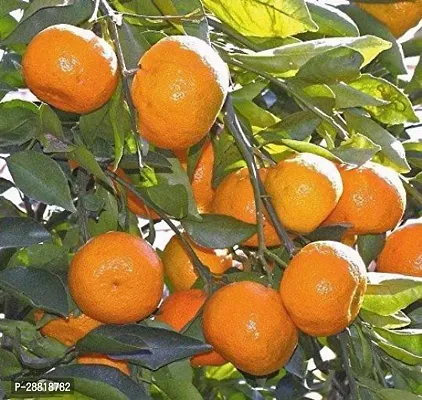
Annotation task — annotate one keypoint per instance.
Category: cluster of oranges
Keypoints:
(117, 278)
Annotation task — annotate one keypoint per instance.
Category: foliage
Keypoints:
(307, 78)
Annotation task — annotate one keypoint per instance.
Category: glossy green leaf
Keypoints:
(390, 146)
(305, 147)
(388, 293)
(358, 149)
(393, 321)
(10, 365)
(398, 111)
(394, 394)
(42, 14)
(332, 66)
(348, 97)
(218, 231)
(272, 18)
(19, 122)
(38, 287)
(370, 246)
(100, 382)
(331, 21)
(286, 61)
(407, 339)
(392, 59)
(416, 82)
(40, 178)
(21, 232)
(87, 161)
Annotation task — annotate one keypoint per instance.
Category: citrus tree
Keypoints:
(279, 143)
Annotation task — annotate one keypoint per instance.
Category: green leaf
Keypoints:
(285, 61)
(40, 178)
(370, 246)
(271, 18)
(19, 122)
(331, 21)
(38, 287)
(50, 121)
(5, 185)
(162, 346)
(298, 126)
(329, 232)
(171, 380)
(393, 321)
(391, 147)
(394, 394)
(88, 162)
(41, 14)
(10, 365)
(21, 232)
(46, 256)
(349, 97)
(305, 147)
(392, 59)
(332, 66)
(398, 111)
(416, 82)
(358, 149)
(100, 382)
(8, 209)
(407, 339)
(11, 69)
(388, 293)
(6, 6)
(218, 231)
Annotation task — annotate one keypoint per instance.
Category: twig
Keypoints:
(200, 268)
(346, 363)
(275, 258)
(114, 33)
(82, 181)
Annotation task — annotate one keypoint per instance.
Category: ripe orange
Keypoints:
(67, 330)
(304, 190)
(234, 197)
(398, 16)
(373, 199)
(178, 266)
(70, 68)
(323, 287)
(201, 182)
(116, 278)
(402, 253)
(179, 91)
(94, 358)
(180, 308)
(134, 204)
(248, 325)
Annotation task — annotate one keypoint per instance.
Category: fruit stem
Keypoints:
(261, 197)
(114, 33)
(343, 337)
(199, 266)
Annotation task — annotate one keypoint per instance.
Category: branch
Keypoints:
(260, 194)
(200, 268)
(125, 73)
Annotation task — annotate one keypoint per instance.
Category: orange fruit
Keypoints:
(201, 181)
(323, 287)
(179, 91)
(116, 278)
(136, 205)
(179, 268)
(397, 16)
(234, 197)
(402, 253)
(180, 308)
(247, 324)
(67, 330)
(304, 190)
(373, 199)
(70, 68)
(349, 239)
(94, 358)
